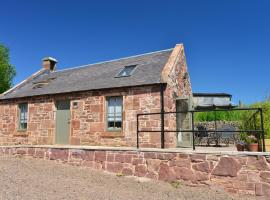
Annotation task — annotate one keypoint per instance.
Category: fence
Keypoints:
(257, 111)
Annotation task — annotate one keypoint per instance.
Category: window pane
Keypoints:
(110, 117)
(118, 116)
(118, 106)
(110, 125)
(127, 71)
(118, 124)
(22, 116)
(23, 125)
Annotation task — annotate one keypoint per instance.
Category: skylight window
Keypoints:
(127, 71)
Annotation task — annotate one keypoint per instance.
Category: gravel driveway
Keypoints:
(25, 178)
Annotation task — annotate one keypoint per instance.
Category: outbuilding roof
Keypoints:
(94, 76)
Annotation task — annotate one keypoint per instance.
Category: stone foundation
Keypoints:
(242, 174)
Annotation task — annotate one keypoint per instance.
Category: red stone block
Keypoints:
(120, 158)
(184, 174)
(180, 163)
(32, 126)
(253, 176)
(97, 127)
(153, 165)
(183, 156)
(265, 176)
(152, 155)
(262, 189)
(250, 186)
(59, 154)
(213, 157)
(39, 154)
(128, 158)
(75, 141)
(110, 157)
(227, 166)
(48, 107)
(77, 154)
(137, 161)
(21, 151)
(31, 151)
(114, 167)
(242, 177)
(140, 170)
(127, 171)
(96, 108)
(202, 167)
(100, 156)
(197, 157)
(46, 124)
(201, 176)
(242, 160)
(89, 155)
(239, 185)
(258, 163)
(7, 151)
(166, 156)
(231, 190)
(75, 124)
(164, 171)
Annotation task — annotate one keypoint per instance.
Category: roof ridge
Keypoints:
(87, 65)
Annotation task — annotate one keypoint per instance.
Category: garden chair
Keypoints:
(202, 135)
(224, 136)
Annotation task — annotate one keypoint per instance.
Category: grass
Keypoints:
(175, 184)
(119, 174)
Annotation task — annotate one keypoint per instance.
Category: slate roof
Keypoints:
(95, 76)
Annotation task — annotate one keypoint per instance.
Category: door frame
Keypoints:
(55, 119)
(188, 114)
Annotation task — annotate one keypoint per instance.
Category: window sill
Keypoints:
(22, 130)
(112, 135)
(21, 133)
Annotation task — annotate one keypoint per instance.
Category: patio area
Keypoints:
(227, 130)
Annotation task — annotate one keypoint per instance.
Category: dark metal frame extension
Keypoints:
(193, 131)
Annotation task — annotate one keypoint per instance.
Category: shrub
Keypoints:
(220, 116)
(266, 114)
(241, 116)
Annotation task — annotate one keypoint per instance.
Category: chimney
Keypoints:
(49, 63)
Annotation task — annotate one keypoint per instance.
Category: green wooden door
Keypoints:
(62, 122)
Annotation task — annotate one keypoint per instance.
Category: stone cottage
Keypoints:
(97, 104)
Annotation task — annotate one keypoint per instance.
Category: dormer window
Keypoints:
(127, 71)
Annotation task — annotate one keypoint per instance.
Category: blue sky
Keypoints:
(226, 42)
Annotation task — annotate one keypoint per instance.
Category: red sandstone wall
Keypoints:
(176, 75)
(244, 174)
(89, 124)
(41, 124)
(87, 120)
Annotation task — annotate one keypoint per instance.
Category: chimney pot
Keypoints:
(49, 63)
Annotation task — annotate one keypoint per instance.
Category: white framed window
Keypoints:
(23, 113)
(126, 71)
(114, 113)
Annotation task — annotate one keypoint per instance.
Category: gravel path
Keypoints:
(25, 178)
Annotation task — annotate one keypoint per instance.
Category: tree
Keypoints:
(7, 71)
